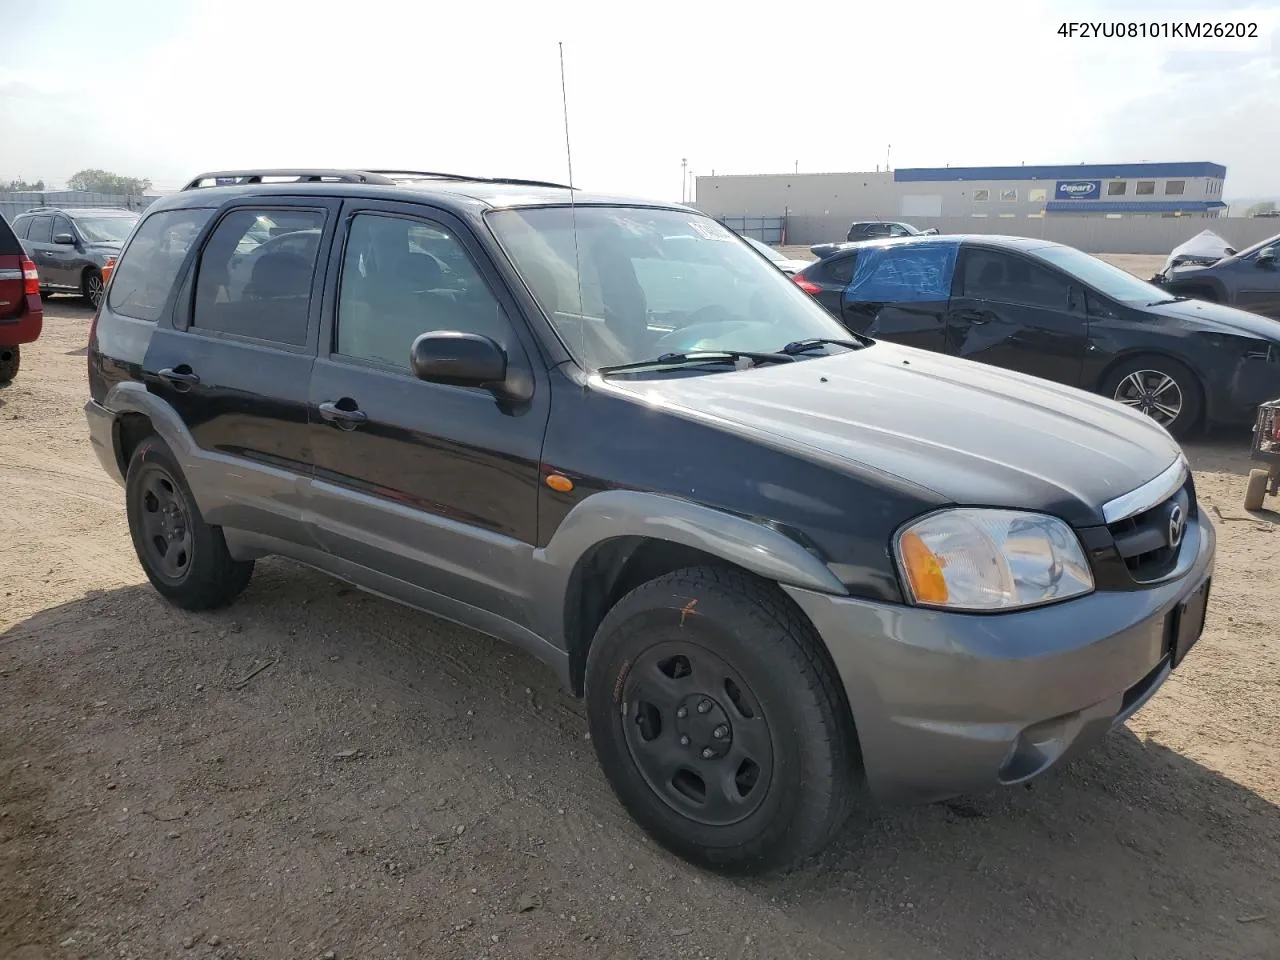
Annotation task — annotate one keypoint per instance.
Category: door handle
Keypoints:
(345, 419)
(181, 377)
(977, 317)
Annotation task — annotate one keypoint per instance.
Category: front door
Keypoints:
(432, 486)
(64, 258)
(899, 293)
(39, 244)
(1257, 281)
(236, 361)
(1014, 312)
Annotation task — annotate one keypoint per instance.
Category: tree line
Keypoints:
(91, 181)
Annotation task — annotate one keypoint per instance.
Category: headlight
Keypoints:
(987, 560)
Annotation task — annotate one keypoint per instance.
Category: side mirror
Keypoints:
(1267, 258)
(65, 239)
(460, 359)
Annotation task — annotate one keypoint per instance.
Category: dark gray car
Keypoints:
(1249, 279)
(71, 246)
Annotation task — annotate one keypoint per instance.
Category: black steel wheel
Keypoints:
(697, 733)
(719, 720)
(185, 558)
(1162, 388)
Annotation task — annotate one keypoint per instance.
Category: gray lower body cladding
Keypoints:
(949, 704)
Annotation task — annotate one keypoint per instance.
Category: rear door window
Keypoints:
(41, 230)
(256, 273)
(904, 274)
(145, 275)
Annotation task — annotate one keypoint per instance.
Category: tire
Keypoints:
(1134, 382)
(185, 558)
(787, 761)
(1256, 490)
(91, 286)
(10, 361)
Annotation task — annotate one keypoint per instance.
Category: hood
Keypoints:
(1205, 247)
(1218, 318)
(970, 433)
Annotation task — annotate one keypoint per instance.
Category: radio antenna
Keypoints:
(573, 216)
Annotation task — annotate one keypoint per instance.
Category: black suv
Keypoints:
(783, 563)
(73, 248)
(878, 229)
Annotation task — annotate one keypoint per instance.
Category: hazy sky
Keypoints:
(168, 89)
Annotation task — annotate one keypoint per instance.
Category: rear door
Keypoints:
(236, 361)
(899, 293)
(1013, 311)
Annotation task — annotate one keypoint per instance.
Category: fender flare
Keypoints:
(613, 514)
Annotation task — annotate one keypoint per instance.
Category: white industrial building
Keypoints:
(1115, 191)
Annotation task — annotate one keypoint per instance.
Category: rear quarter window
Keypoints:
(150, 264)
(9, 245)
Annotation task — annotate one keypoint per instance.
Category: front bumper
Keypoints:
(102, 437)
(948, 703)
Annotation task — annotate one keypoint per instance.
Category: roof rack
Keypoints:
(215, 178)
(298, 176)
(461, 176)
(40, 209)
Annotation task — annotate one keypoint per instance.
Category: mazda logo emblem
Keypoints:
(1177, 526)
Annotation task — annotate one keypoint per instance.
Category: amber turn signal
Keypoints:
(923, 569)
(559, 482)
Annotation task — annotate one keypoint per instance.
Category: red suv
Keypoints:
(21, 312)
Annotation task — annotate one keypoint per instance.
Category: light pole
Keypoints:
(684, 177)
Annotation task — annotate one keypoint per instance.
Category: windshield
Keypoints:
(764, 248)
(1108, 280)
(105, 229)
(653, 282)
(1260, 245)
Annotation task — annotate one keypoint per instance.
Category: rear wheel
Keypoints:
(10, 360)
(185, 558)
(718, 720)
(1164, 389)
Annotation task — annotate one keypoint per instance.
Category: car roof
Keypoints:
(951, 239)
(460, 194)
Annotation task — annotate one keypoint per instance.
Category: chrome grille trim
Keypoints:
(1152, 493)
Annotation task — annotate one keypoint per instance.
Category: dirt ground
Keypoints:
(319, 773)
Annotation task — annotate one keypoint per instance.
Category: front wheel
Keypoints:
(10, 361)
(719, 722)
(91, 286)
(1164, 389)
(185, 558)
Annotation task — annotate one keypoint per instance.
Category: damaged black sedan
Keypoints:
(1057, 313)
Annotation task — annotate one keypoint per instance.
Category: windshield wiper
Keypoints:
(1156, 303)
(710, 356)
(796, 347)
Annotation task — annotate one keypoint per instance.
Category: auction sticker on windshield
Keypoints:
(710, 230)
